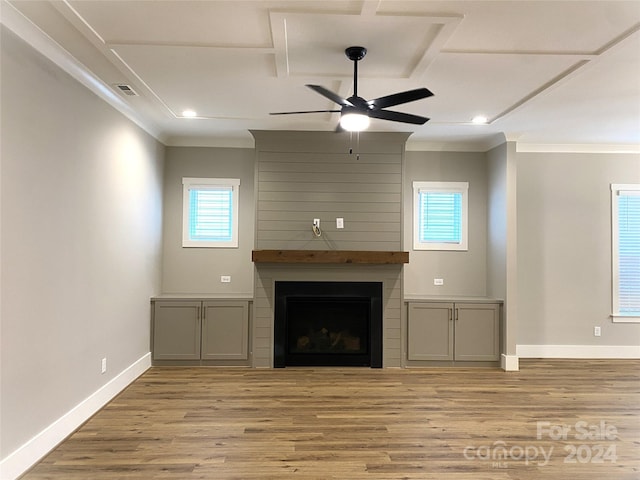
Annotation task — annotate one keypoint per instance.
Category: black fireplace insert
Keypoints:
(328, 324)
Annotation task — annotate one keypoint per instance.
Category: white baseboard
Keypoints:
(509, 363)
(18, 462)
(578, 351)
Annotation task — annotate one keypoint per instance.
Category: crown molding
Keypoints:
(576, 148)
(49, 48)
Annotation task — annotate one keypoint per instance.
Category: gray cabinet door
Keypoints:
(430, 331)
(477, 332)
(225, 330)
(176, 330)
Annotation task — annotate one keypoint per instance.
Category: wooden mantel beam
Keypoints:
(330, 256)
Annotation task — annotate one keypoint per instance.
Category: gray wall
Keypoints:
(198, 270)
(80, 244)
(464, 273)
(497, 222)
(307, 175)
(502, 252)
(267, 274)
(564, 247)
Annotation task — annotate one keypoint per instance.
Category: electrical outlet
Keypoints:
(339, 222)
(103, 365)
(596, 331)
(225, 278)
(438, 281)
(316, 222)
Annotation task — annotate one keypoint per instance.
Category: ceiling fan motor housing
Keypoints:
(360, 105)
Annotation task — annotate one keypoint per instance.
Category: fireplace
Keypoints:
(328, 324)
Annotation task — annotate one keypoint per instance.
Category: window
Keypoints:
(440, 215)
(210, 212)
(625, 202)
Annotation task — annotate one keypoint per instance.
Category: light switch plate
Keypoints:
(339, 222)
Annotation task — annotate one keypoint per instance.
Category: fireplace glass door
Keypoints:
(328, 324)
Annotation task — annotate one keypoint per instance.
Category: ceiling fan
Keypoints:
(356, 111)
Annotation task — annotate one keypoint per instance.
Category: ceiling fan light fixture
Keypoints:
(355, 111)
(354, 122)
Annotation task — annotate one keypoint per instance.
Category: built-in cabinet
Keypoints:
(207, 331)
(216, 331)
(440, 331)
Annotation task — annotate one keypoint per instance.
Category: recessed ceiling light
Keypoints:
(189, 113)
(480, 120)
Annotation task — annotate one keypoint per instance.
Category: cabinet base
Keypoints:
(457, 364)
(201, 363)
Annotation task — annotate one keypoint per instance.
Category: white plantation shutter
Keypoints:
(440, 215)
(626, 249)
(210, 212)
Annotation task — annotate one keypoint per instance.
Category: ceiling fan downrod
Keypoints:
(356, 54)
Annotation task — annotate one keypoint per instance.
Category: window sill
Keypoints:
(616, 318)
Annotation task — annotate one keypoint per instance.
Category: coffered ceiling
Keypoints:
(542, 72)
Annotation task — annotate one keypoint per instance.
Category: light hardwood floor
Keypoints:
(360, 423)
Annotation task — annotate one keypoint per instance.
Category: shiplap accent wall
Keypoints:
(263, 302)
(306, 175)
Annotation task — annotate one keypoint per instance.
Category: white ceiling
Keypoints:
(543, 72)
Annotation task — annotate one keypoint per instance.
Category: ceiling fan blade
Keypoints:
(398, 117)
(334, 97)
(306, 111)
(399, 98)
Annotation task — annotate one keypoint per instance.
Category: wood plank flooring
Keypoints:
(360, 423)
